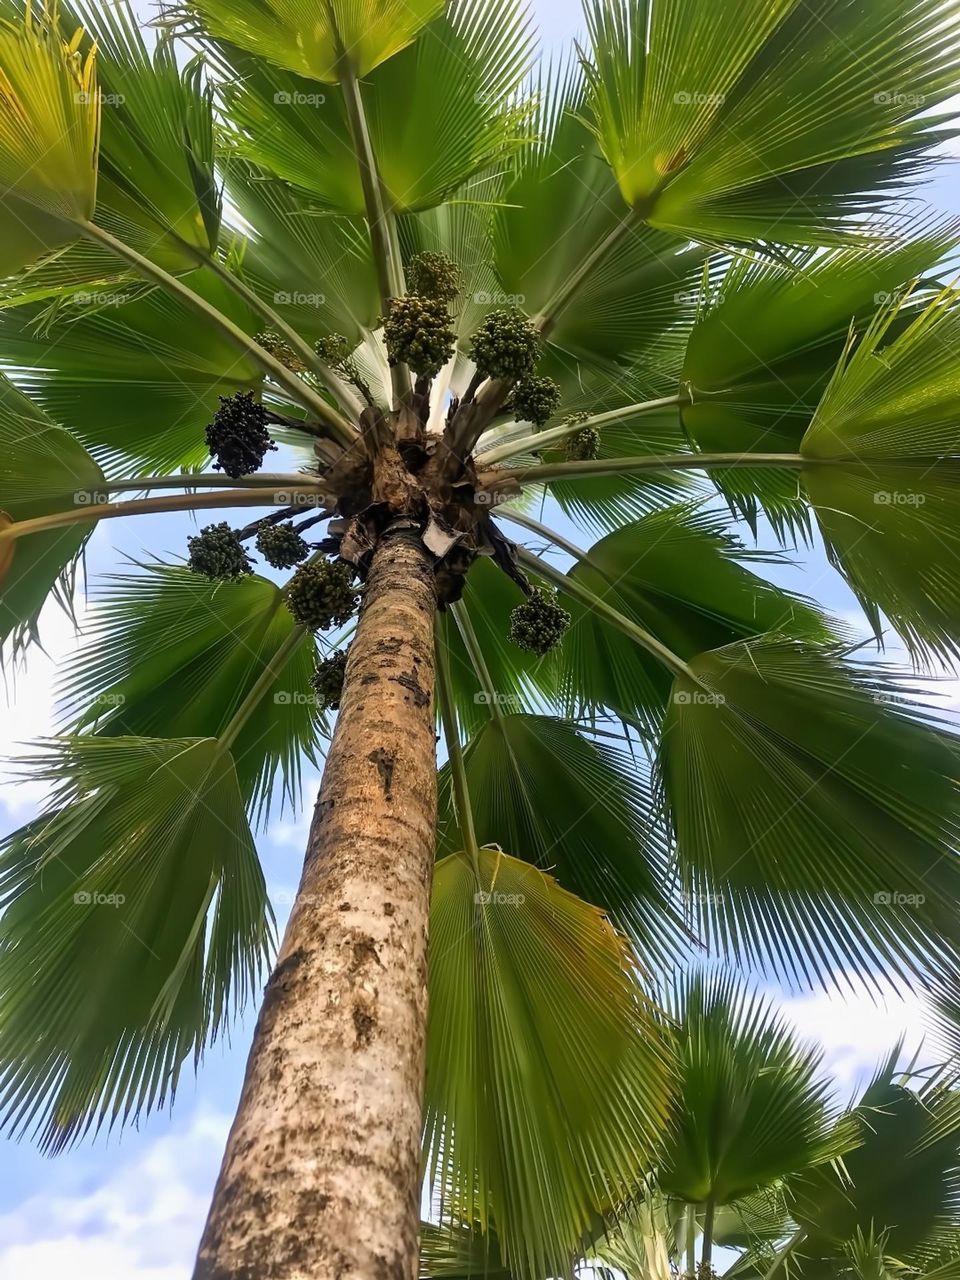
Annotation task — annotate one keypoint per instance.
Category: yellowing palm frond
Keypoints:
(49, 131)
(316, 37)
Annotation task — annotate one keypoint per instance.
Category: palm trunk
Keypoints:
(320, 1179)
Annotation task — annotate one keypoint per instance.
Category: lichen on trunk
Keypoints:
(321, 1174)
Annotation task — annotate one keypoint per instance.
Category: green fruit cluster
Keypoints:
(328, 678)
(417, 333)
(506, 345)
(217, 552)
(536, 400)
(433, 275)
(281, 545)
(538, 624)
(322, 595)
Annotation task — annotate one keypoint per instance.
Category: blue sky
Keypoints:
(132, 1207)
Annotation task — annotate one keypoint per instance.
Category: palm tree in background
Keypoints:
(671, 285)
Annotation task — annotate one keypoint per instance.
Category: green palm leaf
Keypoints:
(547, 1079)
(315, 271)
(578, 809)
(713, 121)
(111, 974)
(815, 812)
(48, 138)
(883, 452)
(676, 573)
(169, 652)
(135, 381)
(43, 470)
(467, 64)
(316, 38)
(156, 185)
(752, 1102)
(561, 194)
(454, 1252)
(903, 1177)
(766, 340)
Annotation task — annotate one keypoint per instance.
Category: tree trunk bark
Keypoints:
(321, 1176)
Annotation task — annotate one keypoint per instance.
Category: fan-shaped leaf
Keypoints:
(168, 651)
(676, 574)
(547, 1076)
(579, 809)
(815, 813)
(902, 1179)
(138, 381)
(766, 340)
(752, 1102)
(316, 38)
(562, 195)
(156, 181)
(767, 119)
(884, 451)
(110, 973)
(467, 66)
(48, 138)
(43, 470)
(315, 271)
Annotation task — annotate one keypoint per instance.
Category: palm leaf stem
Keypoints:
(199, 480)
(336, 386)
(565, 294)
(782, 1254)
(338, 426)
(571, 587)
(558, 540)
(706, 1248)
(691, 1216)
(474, 650)
(523, 444)
(148, 506)
(384, 241)
(261, 686)
(458, 771)
(624, 466)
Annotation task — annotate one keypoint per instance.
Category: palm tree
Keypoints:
(669, 284)
(761, 1163)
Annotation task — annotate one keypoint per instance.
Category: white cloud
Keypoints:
(29, 695)
(142, 1223)
(858, 1032)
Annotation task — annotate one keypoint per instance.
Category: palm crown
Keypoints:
(664, 288)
